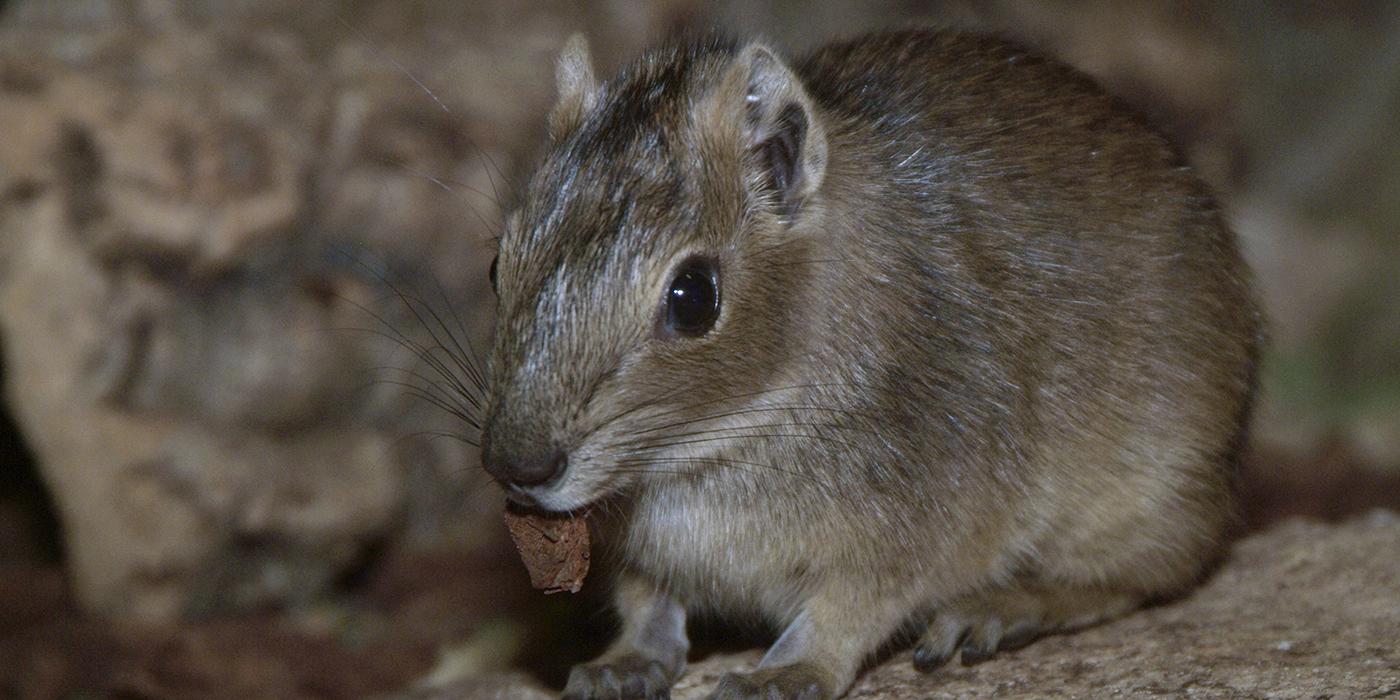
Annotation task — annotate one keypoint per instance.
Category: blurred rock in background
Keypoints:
(234, 234)
(223, 223)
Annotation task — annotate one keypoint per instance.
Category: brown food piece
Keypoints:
(553, 547)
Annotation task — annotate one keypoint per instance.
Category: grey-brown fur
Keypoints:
(982, 366)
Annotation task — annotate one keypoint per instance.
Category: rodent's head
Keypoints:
(648, 271)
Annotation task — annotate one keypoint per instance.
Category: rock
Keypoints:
(239, 246)
(486, 686)
(185, 398)
(1304, 610)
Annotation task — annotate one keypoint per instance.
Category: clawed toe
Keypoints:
(928, 658)
(628, 678)
(982, 641)
(1021, 635)
(978, 627)
(943, 638)
(976, 638)
(782, 683)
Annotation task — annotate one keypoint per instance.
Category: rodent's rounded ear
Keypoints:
(577, 87)
(781, 127)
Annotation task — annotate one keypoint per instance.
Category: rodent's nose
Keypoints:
(533, 470)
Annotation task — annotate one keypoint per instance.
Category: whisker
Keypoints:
(702, 440)
(436, 434)
(745, 466)
(395, 63)
(437, 399)
(416, 393)
(636, 407)
(441, 183)
(466, 335)
(418, 350)
(760, 426)
(780, 245)
(472, 400)
(649, 472)
(460, 359)
(489, 178)
(496, 194)
(745, 411)
(433, 436)
(408, 302)
(721, 461)
(647, 403)
(804, 262)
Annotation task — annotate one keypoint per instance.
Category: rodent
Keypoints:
(921, 329)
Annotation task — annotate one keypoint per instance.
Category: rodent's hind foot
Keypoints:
(978, 628)
(976, 638)
(799, 681)
(622, 678)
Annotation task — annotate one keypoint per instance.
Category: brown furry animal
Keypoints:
(923, 328)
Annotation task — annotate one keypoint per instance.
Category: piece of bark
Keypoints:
(553, 547)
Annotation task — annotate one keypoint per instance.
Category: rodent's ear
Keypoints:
(578, 89)
(780, 127)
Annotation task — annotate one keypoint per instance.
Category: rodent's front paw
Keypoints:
(794, 682)
(622, 678)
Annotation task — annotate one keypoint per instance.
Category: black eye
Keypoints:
(493, 271)
(692, 301)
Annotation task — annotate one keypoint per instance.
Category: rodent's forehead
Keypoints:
(585, 211)
(614, 201)
(641, 198)
(634, 153)
(590, 245)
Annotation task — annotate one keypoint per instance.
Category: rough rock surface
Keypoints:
(1305, 610)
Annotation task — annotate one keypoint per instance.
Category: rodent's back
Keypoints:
(1054, 294)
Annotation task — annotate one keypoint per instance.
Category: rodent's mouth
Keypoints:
(580, 486)
(520, 496)
(558, 496)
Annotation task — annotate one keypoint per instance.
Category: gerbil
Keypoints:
(920, 329)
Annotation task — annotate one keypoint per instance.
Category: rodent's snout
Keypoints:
(528, 470)
(521, 448)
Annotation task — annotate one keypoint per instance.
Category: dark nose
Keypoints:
(531, 470)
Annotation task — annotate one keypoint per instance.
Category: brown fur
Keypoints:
(984, 365)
